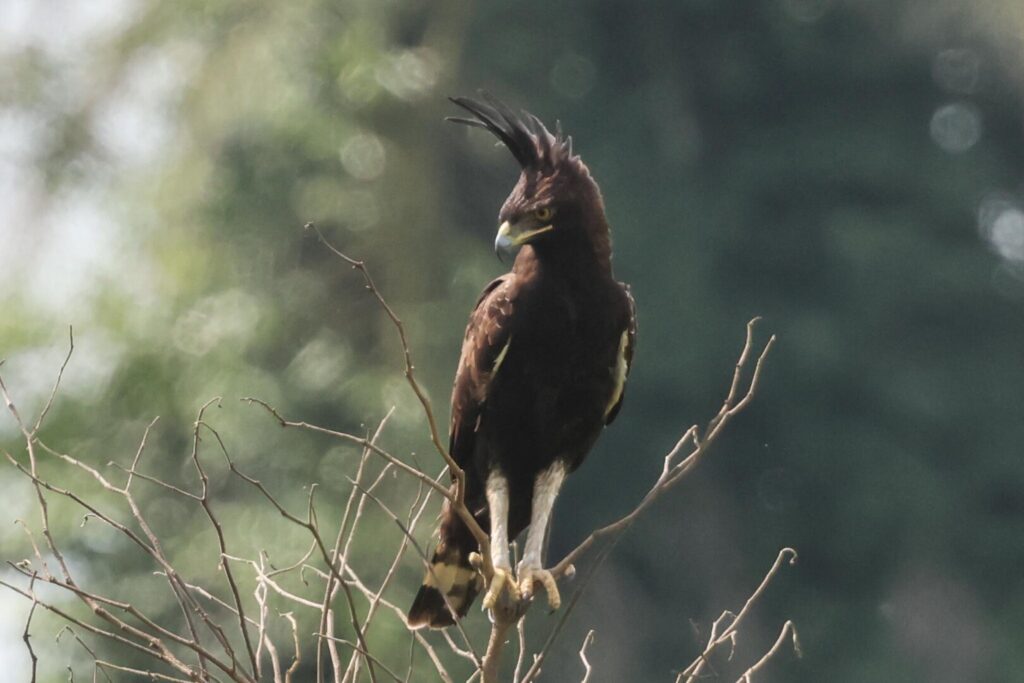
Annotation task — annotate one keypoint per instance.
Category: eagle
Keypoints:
(543, 369)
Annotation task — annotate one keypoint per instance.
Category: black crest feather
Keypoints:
(530, 142)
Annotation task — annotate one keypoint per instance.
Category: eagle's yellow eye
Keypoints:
(544, 214)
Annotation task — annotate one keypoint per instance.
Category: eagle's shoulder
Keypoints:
(488, 323)
(491, 286)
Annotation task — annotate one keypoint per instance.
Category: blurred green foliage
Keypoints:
(848, 170)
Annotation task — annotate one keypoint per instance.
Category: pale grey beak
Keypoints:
(504, 246)
(511, 237)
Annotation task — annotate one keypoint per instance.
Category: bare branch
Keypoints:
(298, 648)
(56, 383)
(204, 501)
(326, 614)
(583, 655)
(92, 653)
(521, 654)
(427, 564)
(92, 600)
(26, 636)
(360, 441)
(310, 525)
(788, 629)
(365, 654)
(458, 476)
(154, 642)
(130, 628)
(716, 639)
(153, 647)
(102, 666)
(671, 474)
(491, 664)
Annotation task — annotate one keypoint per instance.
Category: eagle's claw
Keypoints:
(502, 578)
(528, 576)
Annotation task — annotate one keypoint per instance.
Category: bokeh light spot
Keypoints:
(363, 156)
(956, 127)
(319, 365)
(228, 317)
(357, 83)
(1001, 225)
(1008, 234)
(409, 74)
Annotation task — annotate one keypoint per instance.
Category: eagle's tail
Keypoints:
(450, 580)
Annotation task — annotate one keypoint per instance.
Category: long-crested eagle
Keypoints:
(543, 369)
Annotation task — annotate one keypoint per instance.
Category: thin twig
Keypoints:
(204, 501)
(583, 655)
(672, 474)
(360, 441)
(427, 564)
(326, 620)
(92, 653)
(310, 525)
(26, 636)
(297, 659)
(716, 639)
(366, 655)
(56, 384)
(155, 647)
(521, 654)
(416, 510)
(787, 629)
(458, 475)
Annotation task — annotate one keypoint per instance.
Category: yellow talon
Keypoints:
(528, 576)
(502, 578)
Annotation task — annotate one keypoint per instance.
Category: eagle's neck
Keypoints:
(594, 236)
(583, 260)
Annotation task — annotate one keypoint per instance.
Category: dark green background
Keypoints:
(787, 158)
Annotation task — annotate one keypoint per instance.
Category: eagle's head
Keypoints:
(556, 206)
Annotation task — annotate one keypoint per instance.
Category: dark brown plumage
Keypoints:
(543, 367)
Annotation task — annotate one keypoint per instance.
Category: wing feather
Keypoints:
(487, 339)
(625, 360)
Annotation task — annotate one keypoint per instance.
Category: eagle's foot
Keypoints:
(502, 578)
(529, 576)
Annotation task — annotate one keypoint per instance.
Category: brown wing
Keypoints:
(624, 361)
(483, 349)
(452, 582)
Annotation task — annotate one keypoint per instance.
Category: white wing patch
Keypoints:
(620, 370)
(501, 357)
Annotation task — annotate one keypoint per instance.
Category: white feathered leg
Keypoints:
(531, 571)
(497, 504)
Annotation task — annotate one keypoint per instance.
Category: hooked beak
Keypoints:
(512, 236)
